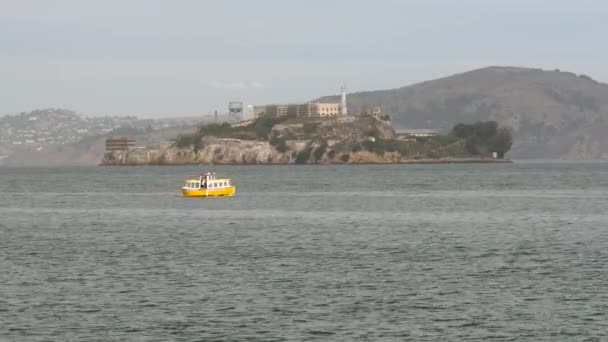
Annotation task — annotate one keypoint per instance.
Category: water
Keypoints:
(343, 253)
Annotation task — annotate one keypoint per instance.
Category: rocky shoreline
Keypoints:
(363, 140)
(267, 157)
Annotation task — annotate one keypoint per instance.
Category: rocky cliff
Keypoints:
(215, 151)
(346, 140)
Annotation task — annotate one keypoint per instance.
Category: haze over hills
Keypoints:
(63, 137)
(553, 114)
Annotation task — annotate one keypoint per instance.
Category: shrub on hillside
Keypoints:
(303, 156)
(279, 144)
(184, 140)
(320, 151)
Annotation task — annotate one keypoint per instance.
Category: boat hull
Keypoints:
(229, 191)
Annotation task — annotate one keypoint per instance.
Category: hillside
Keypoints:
(88, 151)
(49, 137)
(553, 114)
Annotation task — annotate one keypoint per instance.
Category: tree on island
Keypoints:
(484, 138)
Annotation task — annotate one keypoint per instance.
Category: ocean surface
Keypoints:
(511, 252)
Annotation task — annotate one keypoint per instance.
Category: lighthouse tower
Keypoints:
(343, 101)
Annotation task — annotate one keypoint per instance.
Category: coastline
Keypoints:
(403, 162)
(276, 141)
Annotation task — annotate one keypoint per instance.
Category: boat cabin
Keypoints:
(207, 181)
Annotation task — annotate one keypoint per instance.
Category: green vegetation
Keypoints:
(303, 156)
(479, 139)
(216, 129)
(374, 133)
(279, 144)
(377, 146)
(345, 158)
(320, 151)
(305, 120)
(184, 140)
(483, 138)
(444, 140)
(310, 128)
(257, 130)
(263, 125)
(382, 146)
(189, 140)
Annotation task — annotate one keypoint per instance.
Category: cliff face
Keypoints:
(234, 151)
(341, 141)
(214, 151)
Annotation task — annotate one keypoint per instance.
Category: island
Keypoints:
(362, 139)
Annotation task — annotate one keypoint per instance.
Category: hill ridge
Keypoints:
(553, 113)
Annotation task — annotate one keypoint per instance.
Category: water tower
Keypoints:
(235, 109)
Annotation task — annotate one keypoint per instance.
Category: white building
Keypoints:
(415, 133)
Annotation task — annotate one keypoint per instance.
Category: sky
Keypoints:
(175, 58)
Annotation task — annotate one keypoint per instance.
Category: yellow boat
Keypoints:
(207, 185)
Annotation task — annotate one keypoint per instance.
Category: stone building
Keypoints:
(119, 144)
(308, 109)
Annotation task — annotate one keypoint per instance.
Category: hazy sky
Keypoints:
(178, 58)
